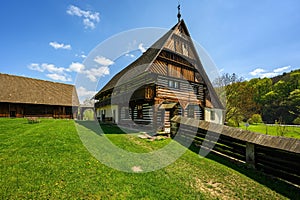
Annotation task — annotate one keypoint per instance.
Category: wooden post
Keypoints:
(167, 124)
(250, 154)
(154, 116)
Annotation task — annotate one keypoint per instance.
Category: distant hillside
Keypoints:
(284, 76)
(276, 99)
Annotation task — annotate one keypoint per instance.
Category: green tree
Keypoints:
(256, 118)
(297, 121)
(294, 102)
(239, 99)
(88, 114)
(260, 88)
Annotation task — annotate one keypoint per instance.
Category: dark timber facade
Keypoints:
(27, 97)
(167, 80)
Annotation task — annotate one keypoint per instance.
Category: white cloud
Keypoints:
(257, 71)
(95, 73)
(55, 73)
(57, 45)
(59, 77)
(36, 67)
(76, 67)
(63, 74)
(263, 73)
(88, 23)
(268, 74)
(46, 67)
(83, 93)
(281, 69)
(89, 17)
(141, 48)
(129, 55)
(103, 61)
(52, 68)
(81, 55)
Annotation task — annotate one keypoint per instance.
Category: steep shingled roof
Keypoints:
(144, 62)
(141, 64)
(18, 89)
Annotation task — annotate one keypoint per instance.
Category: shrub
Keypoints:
(256, 118)
(297, 121)
(250, 121)
(232, 123)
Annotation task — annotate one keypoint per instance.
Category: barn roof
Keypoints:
(18, 89)
(144, 62)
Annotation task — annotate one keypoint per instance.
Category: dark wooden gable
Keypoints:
(178, 58)
(175, 48)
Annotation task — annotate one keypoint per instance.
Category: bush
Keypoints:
(232, 123)
(250, 121)
(256, 118)
(297, 121)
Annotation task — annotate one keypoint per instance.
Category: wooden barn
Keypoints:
(27, 97)
(167, 80)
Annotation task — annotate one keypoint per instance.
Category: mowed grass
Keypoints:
(48, 160)
(275, 130)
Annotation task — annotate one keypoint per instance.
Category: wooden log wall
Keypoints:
(185, 92)
(277, 156)
(147, 114)
(20, 110)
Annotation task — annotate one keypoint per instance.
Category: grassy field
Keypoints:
(276, 130)
(48, 160)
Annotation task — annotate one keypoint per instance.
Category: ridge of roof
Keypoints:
(36, 79)
(20, 89)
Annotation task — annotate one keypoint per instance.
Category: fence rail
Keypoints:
(274, 155)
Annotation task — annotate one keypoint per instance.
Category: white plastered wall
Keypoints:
(218, 117)
(109, 111)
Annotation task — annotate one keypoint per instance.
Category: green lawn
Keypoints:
(48, 160)
(276, 130)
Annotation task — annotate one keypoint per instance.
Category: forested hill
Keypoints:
(276, 99)
(285, 76)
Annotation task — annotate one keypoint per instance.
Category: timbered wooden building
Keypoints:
(28, 97)
(166, 80)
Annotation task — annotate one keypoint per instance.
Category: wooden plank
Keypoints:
(232, 151)
(286, 144)
(288, 156)
(279, 173)
(278, 164)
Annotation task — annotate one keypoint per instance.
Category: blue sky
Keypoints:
(49, 39)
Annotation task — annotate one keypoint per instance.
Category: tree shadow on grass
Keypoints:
(91, 125)
(284, 188)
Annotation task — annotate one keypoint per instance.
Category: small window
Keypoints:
(185, 50)
(212, 115)
(139, 111)
(196, 90)
(191, 111)
(173, 84)
(149, 93)
(176, 84)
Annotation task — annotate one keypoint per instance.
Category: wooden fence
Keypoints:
(274, 155)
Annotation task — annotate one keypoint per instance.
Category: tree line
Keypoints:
(276, 100)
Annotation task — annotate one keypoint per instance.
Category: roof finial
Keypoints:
(178, 15)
